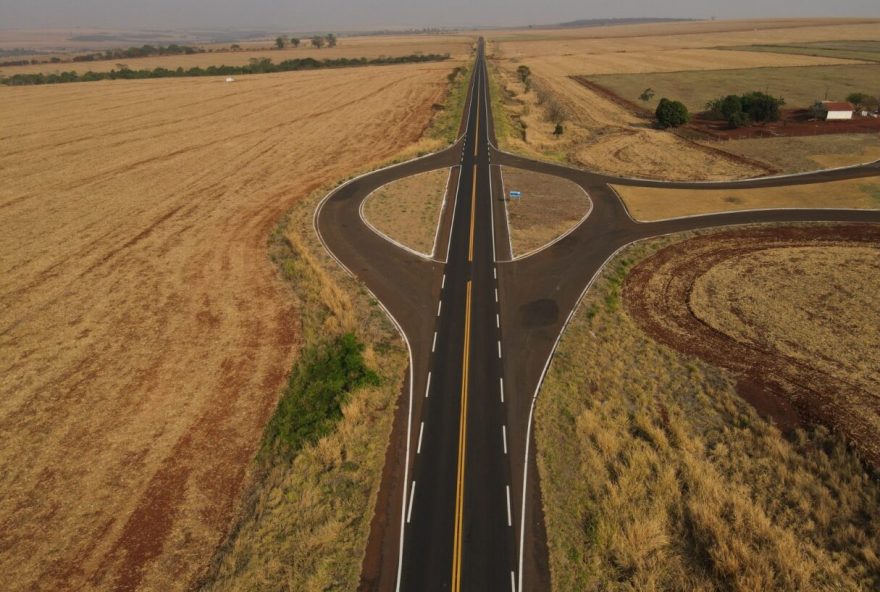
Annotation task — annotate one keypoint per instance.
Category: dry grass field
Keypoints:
(656, 475)
(144, 333)
(800, 87)
(604, 136)
(550, 207)
(646, 204)
(348, 47)
(408, 210)
(807, 153)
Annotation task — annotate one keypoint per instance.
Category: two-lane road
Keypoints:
(459, 531)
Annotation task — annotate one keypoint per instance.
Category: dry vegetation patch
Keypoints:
(408, 210)
(656, 475)
(144, 334)
(647, 203)
(807, 153)
(549, 207)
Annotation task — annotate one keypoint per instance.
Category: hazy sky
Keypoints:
(347, 14)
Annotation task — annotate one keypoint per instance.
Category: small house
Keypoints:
(835, 111)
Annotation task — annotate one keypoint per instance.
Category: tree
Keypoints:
(523, 72)
(647, 95)
(863, 101)
(235, 47)
(761, 107)
(317, 41)
(294, 41)
(280, 42)
(331, 40)
(558, 131)
(671, 113)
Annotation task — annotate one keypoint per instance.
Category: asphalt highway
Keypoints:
(460, 504)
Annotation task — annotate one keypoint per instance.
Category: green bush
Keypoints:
(671, 113)
(318, 387)
(742, 110)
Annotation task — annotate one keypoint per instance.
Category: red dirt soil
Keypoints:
(793, 393)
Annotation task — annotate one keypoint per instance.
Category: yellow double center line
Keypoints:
(465, 367)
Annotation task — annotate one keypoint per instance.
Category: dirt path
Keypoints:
(792, 391)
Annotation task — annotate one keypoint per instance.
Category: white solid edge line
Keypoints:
(504, 437)
(506, 211)
(609, 179)
(732, 212)
(567, 232)
(440, 215)
(403, 336)
(397, 326)
(369, 224)
(421, 430)
(412, 495)
(454, 207)
(509, 518)
(492, 216)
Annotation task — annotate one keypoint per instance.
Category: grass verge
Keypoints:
(646, 204)
(656, 476)
(448, 118)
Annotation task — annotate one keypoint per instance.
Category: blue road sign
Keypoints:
(515, 195)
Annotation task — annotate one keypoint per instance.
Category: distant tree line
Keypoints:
(256, 66)
(139, 52)
(317, 41)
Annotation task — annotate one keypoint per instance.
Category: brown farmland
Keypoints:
(801, 341)
(144, 333)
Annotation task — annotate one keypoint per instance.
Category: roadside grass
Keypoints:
(806, 153)
(548, 208)
(646, 203)
(408, 210)
(851, 50)
(304, 523)
(304, 526)
(505, 124)
(799, 86)
(655, 475)
(446, 122)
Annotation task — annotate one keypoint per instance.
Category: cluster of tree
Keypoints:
(863, 101)
(525, 76)
(256, 66)
(317, 41)
(671, 113)
(139, 52)
(743, 110)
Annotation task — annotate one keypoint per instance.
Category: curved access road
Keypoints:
(460, 506)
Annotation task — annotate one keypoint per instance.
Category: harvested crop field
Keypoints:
(648, 203)
(655, 474)
(408, 210)
(790, 311)
(144, 333)
(850, 50)
(549, 207)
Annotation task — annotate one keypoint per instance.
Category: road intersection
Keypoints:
(461, 503)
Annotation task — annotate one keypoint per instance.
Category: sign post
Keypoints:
(515, 194)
